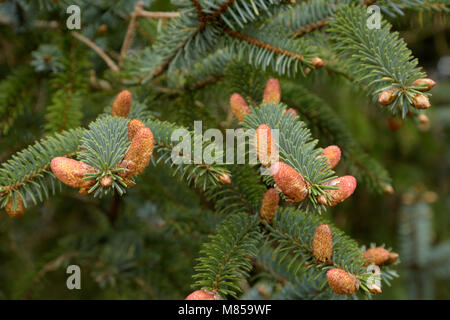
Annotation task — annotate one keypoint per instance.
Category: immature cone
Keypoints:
(272, 91)
(373, 288)
(269, 205)
(238, 106)
(346, 187)
(333, 155)
(122, 104)
(203, 295)
(71, 172)
(342, 282)
(421, 102)
(427, 82)
(20, 208)
(386, 97)
(223, 178)
(290, 182)
(266, 150)
(140, 151)
(133, 127)
(291, 112)
(322, 244)
(317, 62)
(388, 189)
(378, 256)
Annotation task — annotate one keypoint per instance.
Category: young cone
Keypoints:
(133, 127)
(378, 256)
(421, 102)
(342, 282)
(346, 187)
(269, 205)
(322, 244)
(18, 211)
(238, 106)
(203, 295)
(140, 152)
(122, 104)
(424, 82)
(272, 91)
(266, 149)
(290, 182)
(386, 97)
(71, 172)
(333, 155)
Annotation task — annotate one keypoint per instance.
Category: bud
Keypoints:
(317, 62)
(272, 91)
(223, 178)
(203, 295)
(238, 106)
(394, 123)
(291, 112)
(106, 181)
(290, 182)
(18, 211)
(322, 244)
(307, 71)
(333, 155)
(133, 127)
(71, 172)
(266, 150)
(386, 97)
(424, 82)
(346, 184)
(393, 256)
(373, 288)
(421, 102)
(342, 282)
(122, 104)
(378, 256)
(424, 122)
(140, 151)
(269, 205)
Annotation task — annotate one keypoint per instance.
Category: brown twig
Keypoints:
(140, 13)
(129, 35)
(111, 64)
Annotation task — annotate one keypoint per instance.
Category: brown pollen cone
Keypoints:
(346, 184)
(386, 97)
(71, 172)
(342, 282)
(378, 256)
(122, 104)
(20, 208)
(322, 244)
(266, 149)
(140, 151)
(203, 295)
(133, 127)
(333, 155)
(272, 91)
(424, 82)
(223, 178)
(238, 106)
(269, 205)
(290, 182)
(421, 102)
(317, 62)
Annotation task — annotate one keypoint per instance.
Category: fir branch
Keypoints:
(225, 259)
